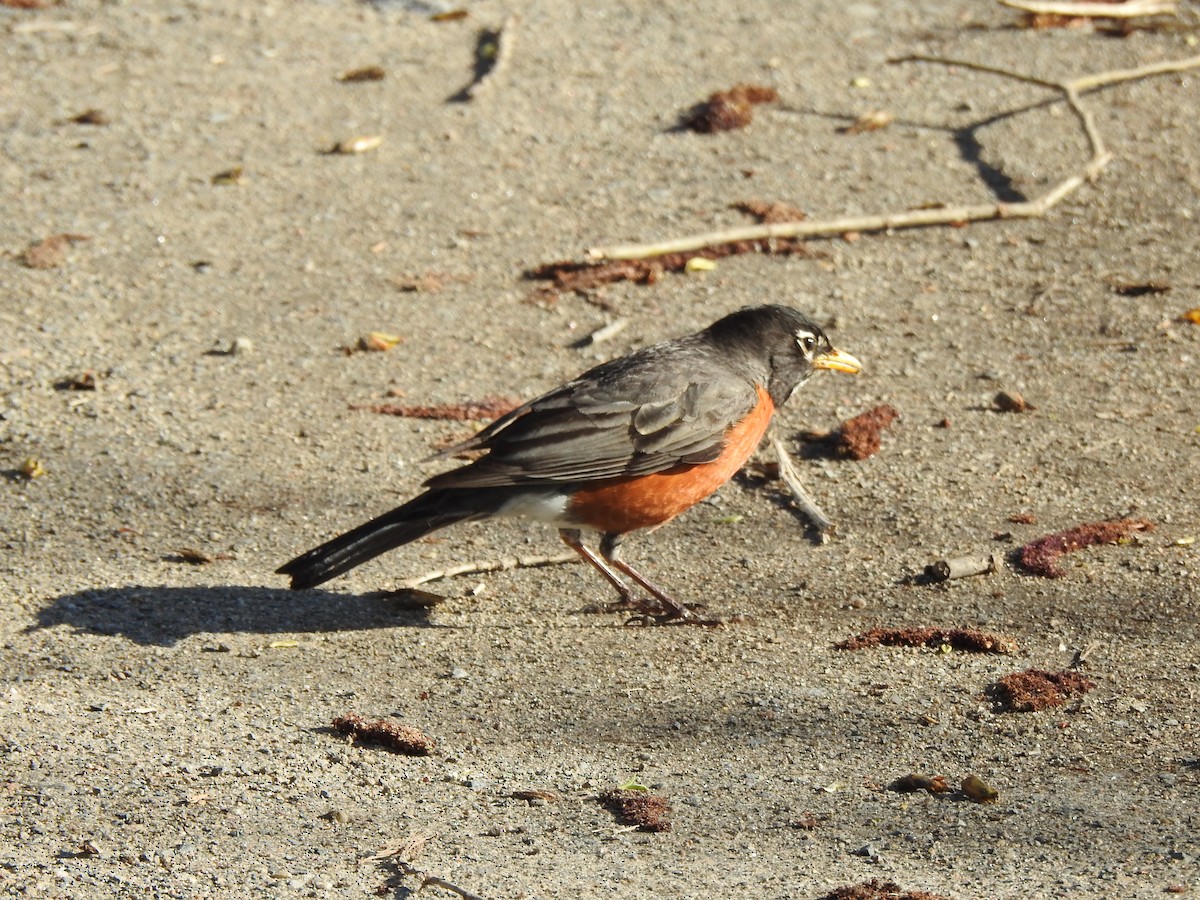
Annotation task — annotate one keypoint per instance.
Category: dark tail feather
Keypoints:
(404, 524)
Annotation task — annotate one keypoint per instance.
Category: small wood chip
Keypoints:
(1012, 402)
(365, 73)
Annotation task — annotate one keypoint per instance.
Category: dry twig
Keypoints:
(943, 215)
(492, 565)
(787, 472)
(1130, 9)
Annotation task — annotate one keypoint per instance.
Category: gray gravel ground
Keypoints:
(164, 727)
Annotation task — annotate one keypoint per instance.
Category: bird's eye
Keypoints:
(807, 341)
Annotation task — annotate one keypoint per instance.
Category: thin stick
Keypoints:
(492, 565)
(435, 881)
(947, 215)
(787, 472)
(1127, 10)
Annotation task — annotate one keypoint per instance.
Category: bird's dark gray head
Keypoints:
(785, 343)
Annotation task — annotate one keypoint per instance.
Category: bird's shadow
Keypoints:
(165, 615)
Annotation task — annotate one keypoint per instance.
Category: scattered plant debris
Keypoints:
(968, 640)
(31, 468)
(907, 784)
(543, 795)
(365, 73)
(581, 277)
(84, 381)
(27, 4)
(229, 177)
(453, 15)
(488, 408)
(374, 342)
(728, 110)
(1023, 518)
(859, 437)
(873, 120)
(89, 117)
(195, 557)
(1037, 689)
(637, 806)
(1141, 288)
(392, 735)
(807, 822)
(978, 791)
(1192, 315)
(355, 145)
(1041, 557)
(50, 252)
(1012, 402)
(770, 213)
(878, 890)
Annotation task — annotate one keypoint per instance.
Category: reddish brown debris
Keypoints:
(1041, 557)
(1023, 518)
(860, 437)
(487, 408)
(543, 794)
(649, 812)
(50, 252)
(728, 110)
(568, 275)
(27, 4)
(968, 640)
(1036, 689)
(878, 890)
(771, 213)
(392, 735)
(907, 784)
(1012, 402)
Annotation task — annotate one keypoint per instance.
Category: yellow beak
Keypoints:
(837, 361)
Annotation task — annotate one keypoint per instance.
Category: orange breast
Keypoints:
(646, 501)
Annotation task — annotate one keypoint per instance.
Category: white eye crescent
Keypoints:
(807, 341)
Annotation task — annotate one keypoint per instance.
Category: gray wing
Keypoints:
(615, 420)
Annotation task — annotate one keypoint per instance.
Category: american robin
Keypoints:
(627, 445)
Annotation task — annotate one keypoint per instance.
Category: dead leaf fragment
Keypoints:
(1012, 402)
(84, 381)
(906, 784)
(860, 437)
(728, 110)
(31, 468)
(355, 145)
(873, 120)
(229, 177)
(1192, 315)
(50, 252)
(378, 342)
(89, 117)
(978, 790)
(365, 73)
(771, 213)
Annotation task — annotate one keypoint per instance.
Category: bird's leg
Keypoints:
(669, 610)
(573, 538)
